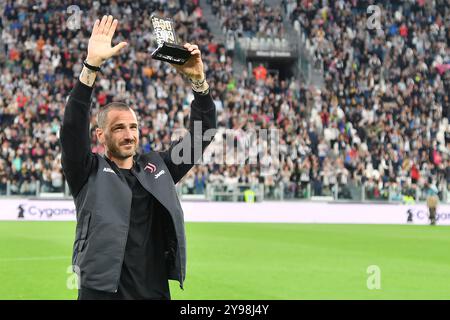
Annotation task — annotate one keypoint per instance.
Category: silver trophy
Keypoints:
(168, 48)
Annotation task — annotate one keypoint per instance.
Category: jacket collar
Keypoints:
(114, 165)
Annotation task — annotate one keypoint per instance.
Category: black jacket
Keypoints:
(103, 198)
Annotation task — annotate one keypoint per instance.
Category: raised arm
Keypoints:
(99, 48)
(202, 119)
(76, 157)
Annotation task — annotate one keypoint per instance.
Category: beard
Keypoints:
(117, 151)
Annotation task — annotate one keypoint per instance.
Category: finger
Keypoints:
(116, 49)
(101, 26)
(108, 24)
(195, 52)
(95, 28)
(113, 28)
(193, 47)
(187, 45)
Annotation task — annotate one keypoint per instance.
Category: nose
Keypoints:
(128, 134)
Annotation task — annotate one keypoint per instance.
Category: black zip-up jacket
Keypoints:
(103, 198)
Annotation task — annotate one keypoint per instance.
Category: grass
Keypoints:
(253, 261)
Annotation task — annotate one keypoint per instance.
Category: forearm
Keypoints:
(88, 76)
(75, 136)
(203, 109)
(75, 141)
(76, 120)
(202, 118)
(203, 115)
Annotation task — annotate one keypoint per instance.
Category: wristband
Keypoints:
(87, 65)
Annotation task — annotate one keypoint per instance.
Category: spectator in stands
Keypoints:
(432, 200)
(200, 182)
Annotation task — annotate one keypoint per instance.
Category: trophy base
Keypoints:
(172, 53)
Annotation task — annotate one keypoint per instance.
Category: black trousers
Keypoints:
(91, 294)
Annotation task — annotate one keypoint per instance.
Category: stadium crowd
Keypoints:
(41, 57)
(381, 119)
(248, 18)
(385, 107)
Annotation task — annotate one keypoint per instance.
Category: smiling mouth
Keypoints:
(127, 145)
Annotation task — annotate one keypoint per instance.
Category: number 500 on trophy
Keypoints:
(168, 48)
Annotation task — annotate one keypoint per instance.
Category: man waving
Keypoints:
(130, 236)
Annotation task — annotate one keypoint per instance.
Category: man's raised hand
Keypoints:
(99, 47)
(193, 68)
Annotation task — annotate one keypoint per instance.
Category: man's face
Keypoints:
(120, 135)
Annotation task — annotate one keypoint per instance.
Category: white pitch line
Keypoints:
(35, 258)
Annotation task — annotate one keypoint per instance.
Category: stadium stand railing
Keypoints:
(350, 192)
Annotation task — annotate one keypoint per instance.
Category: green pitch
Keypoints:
(254, 261)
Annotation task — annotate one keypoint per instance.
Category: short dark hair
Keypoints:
(103, 113)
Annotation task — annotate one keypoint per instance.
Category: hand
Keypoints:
(99, 47)
(193, 68)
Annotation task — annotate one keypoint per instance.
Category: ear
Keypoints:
(100, 133)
